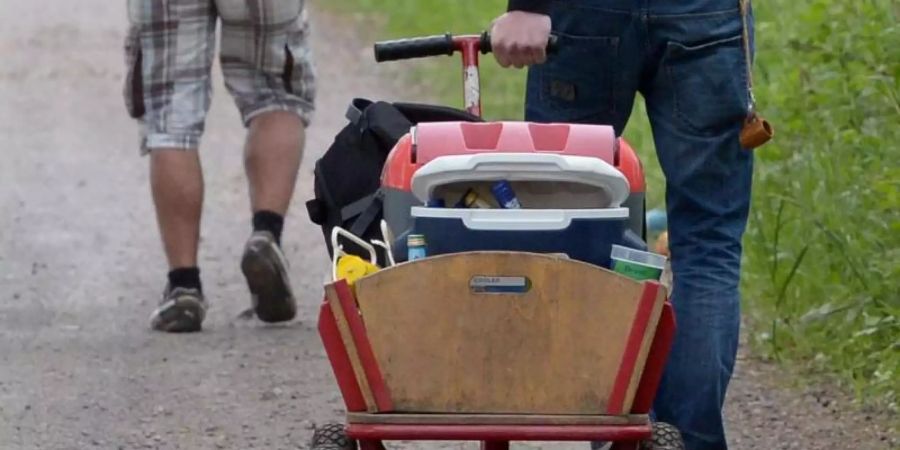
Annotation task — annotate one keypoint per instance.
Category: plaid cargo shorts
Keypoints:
(170, 49)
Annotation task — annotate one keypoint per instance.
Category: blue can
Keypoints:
(505, 195)
(436, 203)
(415, 247)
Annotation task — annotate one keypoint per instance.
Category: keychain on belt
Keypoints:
(757, 130)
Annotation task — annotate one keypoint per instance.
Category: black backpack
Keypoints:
(348, 176)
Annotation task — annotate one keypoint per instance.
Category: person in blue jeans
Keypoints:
(686, 58)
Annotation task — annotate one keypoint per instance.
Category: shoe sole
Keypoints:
(273, 299)
(182, 315)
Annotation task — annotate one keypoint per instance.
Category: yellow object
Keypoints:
(352, 268)
(662, 244)
(473, 200)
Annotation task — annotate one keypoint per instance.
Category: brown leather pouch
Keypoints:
(756, 132)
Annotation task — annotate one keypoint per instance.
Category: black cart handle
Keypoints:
(445, 44)
(419, 47)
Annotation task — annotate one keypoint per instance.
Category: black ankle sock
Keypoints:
(269, 221)
(186, 277)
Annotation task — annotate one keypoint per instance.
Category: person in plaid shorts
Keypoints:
(266, 62)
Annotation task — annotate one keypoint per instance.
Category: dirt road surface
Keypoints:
(81, 267)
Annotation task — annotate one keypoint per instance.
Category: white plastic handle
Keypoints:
(388, 241)
(337, 232)
(387, 251)
(340, 232)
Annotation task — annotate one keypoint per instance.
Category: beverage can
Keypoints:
(505, 195)
(416, 248)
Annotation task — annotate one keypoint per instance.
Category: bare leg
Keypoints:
(272, 159)
(177, 182)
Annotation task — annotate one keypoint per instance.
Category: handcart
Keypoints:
(494, 346)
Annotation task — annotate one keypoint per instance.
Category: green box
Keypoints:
(637, 264)
(637, 271)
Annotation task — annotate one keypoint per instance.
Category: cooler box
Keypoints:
(478, 143)
(581, 234)
(570, 205)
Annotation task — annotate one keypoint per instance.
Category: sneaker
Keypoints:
(181, 311)
(265, 268)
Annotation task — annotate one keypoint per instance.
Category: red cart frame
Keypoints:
(493, 436)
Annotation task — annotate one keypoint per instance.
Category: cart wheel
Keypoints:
(332, 436)
(665, 437)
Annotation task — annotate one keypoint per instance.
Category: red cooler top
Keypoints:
(436, 139)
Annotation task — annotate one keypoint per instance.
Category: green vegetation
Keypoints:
(823, 249)
(822, 269)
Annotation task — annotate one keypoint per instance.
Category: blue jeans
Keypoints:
(686, 59)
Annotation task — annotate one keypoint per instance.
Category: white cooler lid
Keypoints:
(519, 219)
(584, 170)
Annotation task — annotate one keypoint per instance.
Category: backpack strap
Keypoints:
(373, 205)
(386, 123)
(319, 208)
(356, 110)
(358, 207)
(317, 211)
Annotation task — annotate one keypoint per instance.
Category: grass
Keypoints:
(822, 252)
(823, 248)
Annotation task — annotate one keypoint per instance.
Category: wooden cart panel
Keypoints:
(574, 343)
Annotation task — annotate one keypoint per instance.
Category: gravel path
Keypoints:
(81, 268)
